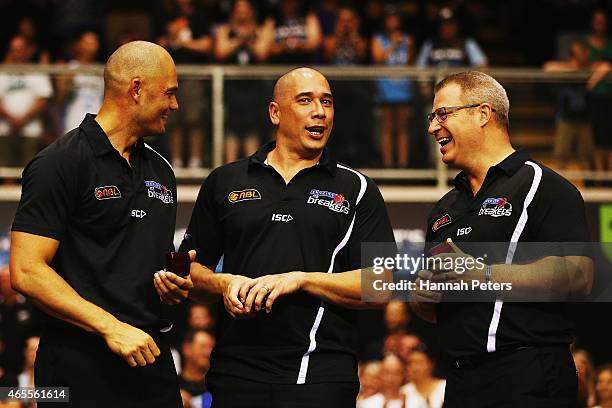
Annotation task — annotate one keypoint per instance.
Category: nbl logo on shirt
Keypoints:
(496, 207)
(107, 192)
(333, 201)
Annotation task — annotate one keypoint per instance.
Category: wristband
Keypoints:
(488, 273)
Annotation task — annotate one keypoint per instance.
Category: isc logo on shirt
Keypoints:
(107, 192)
(243, 195)
(282, 217)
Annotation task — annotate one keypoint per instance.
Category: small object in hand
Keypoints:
(178, 263)
(443, 248)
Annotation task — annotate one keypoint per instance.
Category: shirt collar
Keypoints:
(509, 166)
(98, 140)
(327, 161)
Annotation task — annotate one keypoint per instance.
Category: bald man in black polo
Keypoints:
(289, 221)
(95, 218)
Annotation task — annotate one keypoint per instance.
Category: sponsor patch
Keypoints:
(496, 207)
(243, 195)
(107, 192)
(282, 217)
(333, 201)
(159, 191)
(440, 222)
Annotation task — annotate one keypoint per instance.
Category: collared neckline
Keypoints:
(327, 161)
(509, 166)
(98, 139)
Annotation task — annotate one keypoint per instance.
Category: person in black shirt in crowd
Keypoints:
(285, 337)
(502, 354)
(96, 216)
(196, 350)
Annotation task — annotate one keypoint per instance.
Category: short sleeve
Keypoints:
(558, 213)
(48, 195)
(204, 232)
(371, 225)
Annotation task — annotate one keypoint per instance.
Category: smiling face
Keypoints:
(458, 135)
(158, 98)
(303, 110)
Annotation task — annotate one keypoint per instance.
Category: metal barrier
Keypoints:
(217, 74)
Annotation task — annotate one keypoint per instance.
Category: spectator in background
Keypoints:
(600, 47)
(407, 344)
(17, 322)
(603, 387)
(297, 34)
(23, 98)
(196, 350)
(26, 378)
(200, 317)
(423, 390)
(242, 41)
(586, 377)
(574, 133)
(81, 93)
(392, 378)
(352, 141)
(450, 48)
(369, 380)
(187, 37)
(28, 29)
(345, 46)
(394, 47)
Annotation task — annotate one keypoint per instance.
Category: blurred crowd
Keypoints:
(399, 366)
(371, 116)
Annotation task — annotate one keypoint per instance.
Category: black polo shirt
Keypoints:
(554, 213)
(262, 226)
(114, 222)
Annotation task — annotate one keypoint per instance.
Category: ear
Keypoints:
(274, 111)
(135, 90)
(485, 113)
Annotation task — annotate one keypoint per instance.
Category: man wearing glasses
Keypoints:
(502, 353)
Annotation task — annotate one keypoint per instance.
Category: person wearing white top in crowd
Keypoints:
(424, 390)
(369, 380)
(392, 377)
(81, 93)
(23, 98)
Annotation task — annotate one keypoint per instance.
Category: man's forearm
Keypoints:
(208, 286)
(554, 274)
(342, 288)
(51, 293)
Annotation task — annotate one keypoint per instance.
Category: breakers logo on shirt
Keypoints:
(243, 195)
(159, 191)
(107, 192)
(496, 207)
(333, 201)
(440, 222)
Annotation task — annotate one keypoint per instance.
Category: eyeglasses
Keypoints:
(441, 114)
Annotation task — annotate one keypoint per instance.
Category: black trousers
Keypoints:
(99, 378)
(234, 392)
(533, 377)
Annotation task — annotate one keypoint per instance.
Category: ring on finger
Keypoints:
(267, 289)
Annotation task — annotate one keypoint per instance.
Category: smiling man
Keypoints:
(502, 353)
(96, 216)
(290, 222)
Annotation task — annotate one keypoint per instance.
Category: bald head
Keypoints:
(135, 59)
(287, 82)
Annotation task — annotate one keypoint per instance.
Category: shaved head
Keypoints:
(286, 83)
(141, 59)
